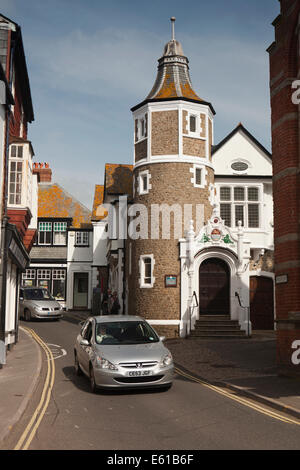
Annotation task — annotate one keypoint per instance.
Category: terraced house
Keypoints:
(62, 254)
(210, 270)
(18, 184)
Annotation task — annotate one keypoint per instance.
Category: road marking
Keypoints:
(62, 351)
(239, 399)
(30, 430)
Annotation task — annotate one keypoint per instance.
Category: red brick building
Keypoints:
(284, 71)
(18, 199)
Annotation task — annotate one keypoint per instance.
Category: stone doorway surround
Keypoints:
(214, 240)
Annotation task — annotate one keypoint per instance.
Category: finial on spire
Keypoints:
(173, 19)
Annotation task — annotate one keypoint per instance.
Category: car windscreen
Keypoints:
(37, 294)
(125, 332)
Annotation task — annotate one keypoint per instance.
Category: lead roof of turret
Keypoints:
(173, 79)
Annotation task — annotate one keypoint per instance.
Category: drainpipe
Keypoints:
(4, 254)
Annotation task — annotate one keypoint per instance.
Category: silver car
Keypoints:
(118, 351)
(37, 302)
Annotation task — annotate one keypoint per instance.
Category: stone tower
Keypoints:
(173, 181)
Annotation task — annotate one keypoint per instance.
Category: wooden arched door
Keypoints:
(214, 287)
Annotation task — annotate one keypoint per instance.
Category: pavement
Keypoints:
(246, 366)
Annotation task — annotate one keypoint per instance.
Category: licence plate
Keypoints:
(139, 373)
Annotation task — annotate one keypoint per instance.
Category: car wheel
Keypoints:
(92, 380)
(78, 370)
(27, 315)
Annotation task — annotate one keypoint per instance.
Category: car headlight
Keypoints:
(105, 364)
(37, 308)
(167, 360)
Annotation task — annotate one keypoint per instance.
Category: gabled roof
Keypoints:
(238, 128)
(118, 179)
(56, 202)
(21, 68)
(98, 212)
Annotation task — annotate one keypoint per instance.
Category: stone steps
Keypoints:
(220, 326)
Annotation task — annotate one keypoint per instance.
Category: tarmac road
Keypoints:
(189, 416)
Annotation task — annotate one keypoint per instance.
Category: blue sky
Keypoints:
(90, 61)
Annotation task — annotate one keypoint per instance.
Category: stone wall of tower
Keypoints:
(171, 183)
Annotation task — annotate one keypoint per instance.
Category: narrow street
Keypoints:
(189, 416)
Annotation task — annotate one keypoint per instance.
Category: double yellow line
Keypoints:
(237, 398)
(29, 433)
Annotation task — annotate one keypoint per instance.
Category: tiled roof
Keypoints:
(118, 179)
(55, 202)
(98, 212)
(173, 78)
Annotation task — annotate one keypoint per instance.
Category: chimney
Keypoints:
(43, 172)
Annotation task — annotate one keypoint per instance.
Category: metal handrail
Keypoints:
(248, 311)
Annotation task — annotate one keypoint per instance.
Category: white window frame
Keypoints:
(244, 203)
(59, 227)
(203, 170)
(142, 130)
(198, 129)
(18, 181)
(82, 239)
(49, 224)
(141, 177)
(143, 284)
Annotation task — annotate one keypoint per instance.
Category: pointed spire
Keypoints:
(173, 79)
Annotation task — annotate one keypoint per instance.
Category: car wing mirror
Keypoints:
(84, 342)
(162, 338)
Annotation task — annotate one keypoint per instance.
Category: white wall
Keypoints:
(240, 147)
(99, 243)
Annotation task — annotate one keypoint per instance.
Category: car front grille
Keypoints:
(50, 309)
(138, 365)
(134, 380)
